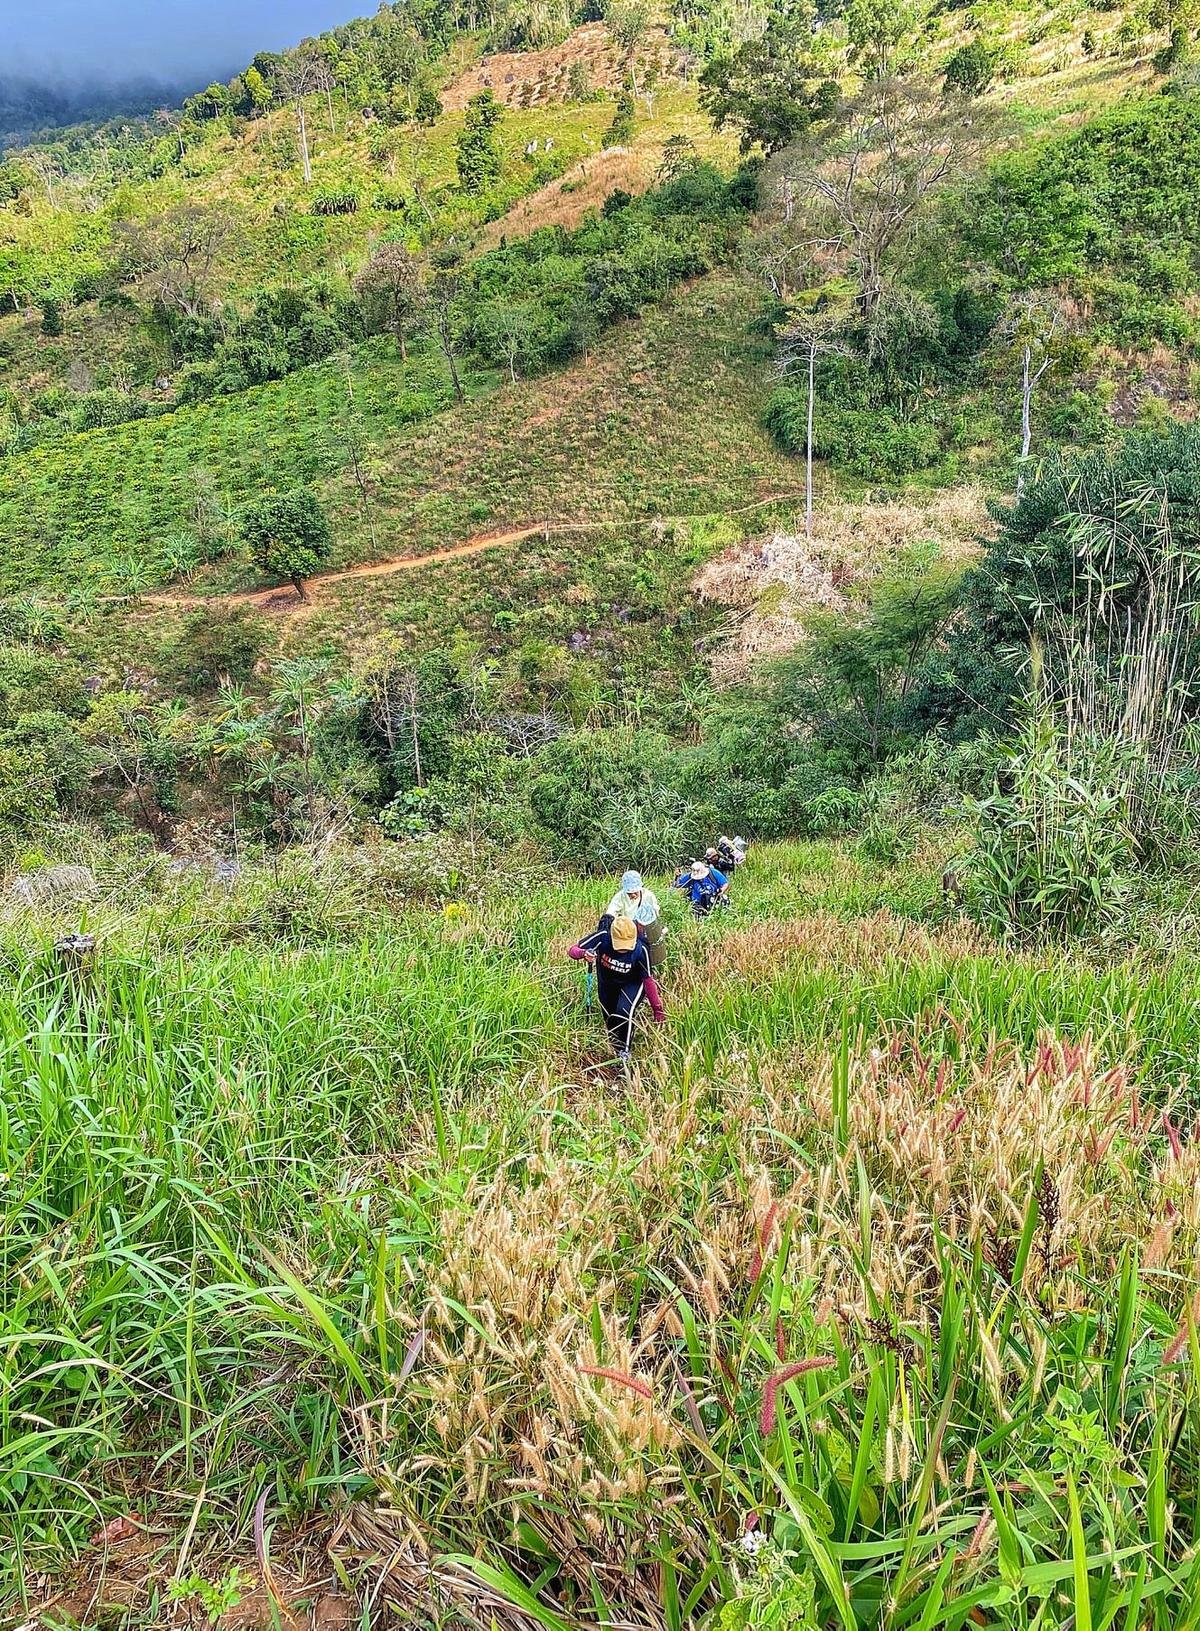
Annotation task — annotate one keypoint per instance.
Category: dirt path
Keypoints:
(282, 599)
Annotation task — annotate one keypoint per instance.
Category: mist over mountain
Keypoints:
(67, 61)
(29, 105)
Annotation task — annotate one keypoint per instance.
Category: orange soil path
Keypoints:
(284, 599)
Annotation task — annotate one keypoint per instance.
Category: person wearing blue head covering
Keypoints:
(633, 900)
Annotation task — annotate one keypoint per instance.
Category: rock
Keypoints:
(53, 886)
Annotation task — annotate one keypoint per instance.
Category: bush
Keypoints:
(1052, 856)
(215, 647)
(620, 131)
(868, 443)
(335, 202)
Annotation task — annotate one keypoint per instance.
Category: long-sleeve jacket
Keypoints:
(617, 969)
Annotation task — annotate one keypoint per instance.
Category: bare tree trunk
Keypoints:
(1026, 417)
(448, 352)
(808, 472)
(298, 584)
(416, 738)
(307, 162)
(329, 104)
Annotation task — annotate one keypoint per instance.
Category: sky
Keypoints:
(121, 41)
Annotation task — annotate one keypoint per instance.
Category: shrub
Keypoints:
(52, 323)
(335, 202)
(1052, 856)
(215, 647)
(621, 130)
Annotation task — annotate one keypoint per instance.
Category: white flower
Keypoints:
(753, 1543)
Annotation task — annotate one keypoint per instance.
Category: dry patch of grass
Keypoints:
(774, 583)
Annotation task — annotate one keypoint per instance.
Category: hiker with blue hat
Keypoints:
(634, 900)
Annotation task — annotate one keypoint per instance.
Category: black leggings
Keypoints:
(619, 1007)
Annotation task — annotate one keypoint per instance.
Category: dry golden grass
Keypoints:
(774, 583)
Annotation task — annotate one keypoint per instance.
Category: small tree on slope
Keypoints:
(288, 535)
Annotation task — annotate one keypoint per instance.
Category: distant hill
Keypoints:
(31, 107)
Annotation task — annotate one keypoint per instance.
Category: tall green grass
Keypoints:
(230, 1161)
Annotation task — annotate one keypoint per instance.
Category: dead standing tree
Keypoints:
(812, 334)
(1036, 327)
(307, 73)
(896, 145)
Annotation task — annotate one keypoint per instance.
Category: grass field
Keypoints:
(316, 1208)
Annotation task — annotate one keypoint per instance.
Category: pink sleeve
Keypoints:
(578, 953)
(653, 998)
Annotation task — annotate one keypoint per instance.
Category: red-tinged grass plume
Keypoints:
(633, 1383)
(774, 1382)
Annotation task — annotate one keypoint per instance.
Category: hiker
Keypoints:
(704, 885)
(634, 900)
(728, 856)
(621, 959)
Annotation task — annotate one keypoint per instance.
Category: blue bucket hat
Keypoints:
(631, 883)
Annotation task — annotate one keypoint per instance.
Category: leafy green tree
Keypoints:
(772, 89)
(52, 323)
(288, 535)
(971, 68)
(427, 109)
(477, 156)
(258, 92)
(621, 129)
(884, 35)
(628, 21)
(855, 676)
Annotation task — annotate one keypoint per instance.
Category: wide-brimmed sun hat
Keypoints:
(623, 934)
(699, 870)
(631, 883)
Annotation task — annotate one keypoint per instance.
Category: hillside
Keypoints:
(461, 459)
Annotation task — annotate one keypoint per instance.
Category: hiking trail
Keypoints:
(283, 598)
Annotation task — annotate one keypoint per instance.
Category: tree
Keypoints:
(52, 323)
(476, 154)
(442, 280)
(177, 253)
(813, 333)
(970, 69)
(680, 158)
(427, 109)
(506, 329)
(621, 129)
(854, 675)
(865, 190)
(628, 21)
(883, 35)
(389, 286)
(1036, 328)
(257, 89)
(210, 103)
(773, 88)
(305, 73)
(46, 166)
(288, 536)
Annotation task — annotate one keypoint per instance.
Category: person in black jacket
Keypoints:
(621, 959)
